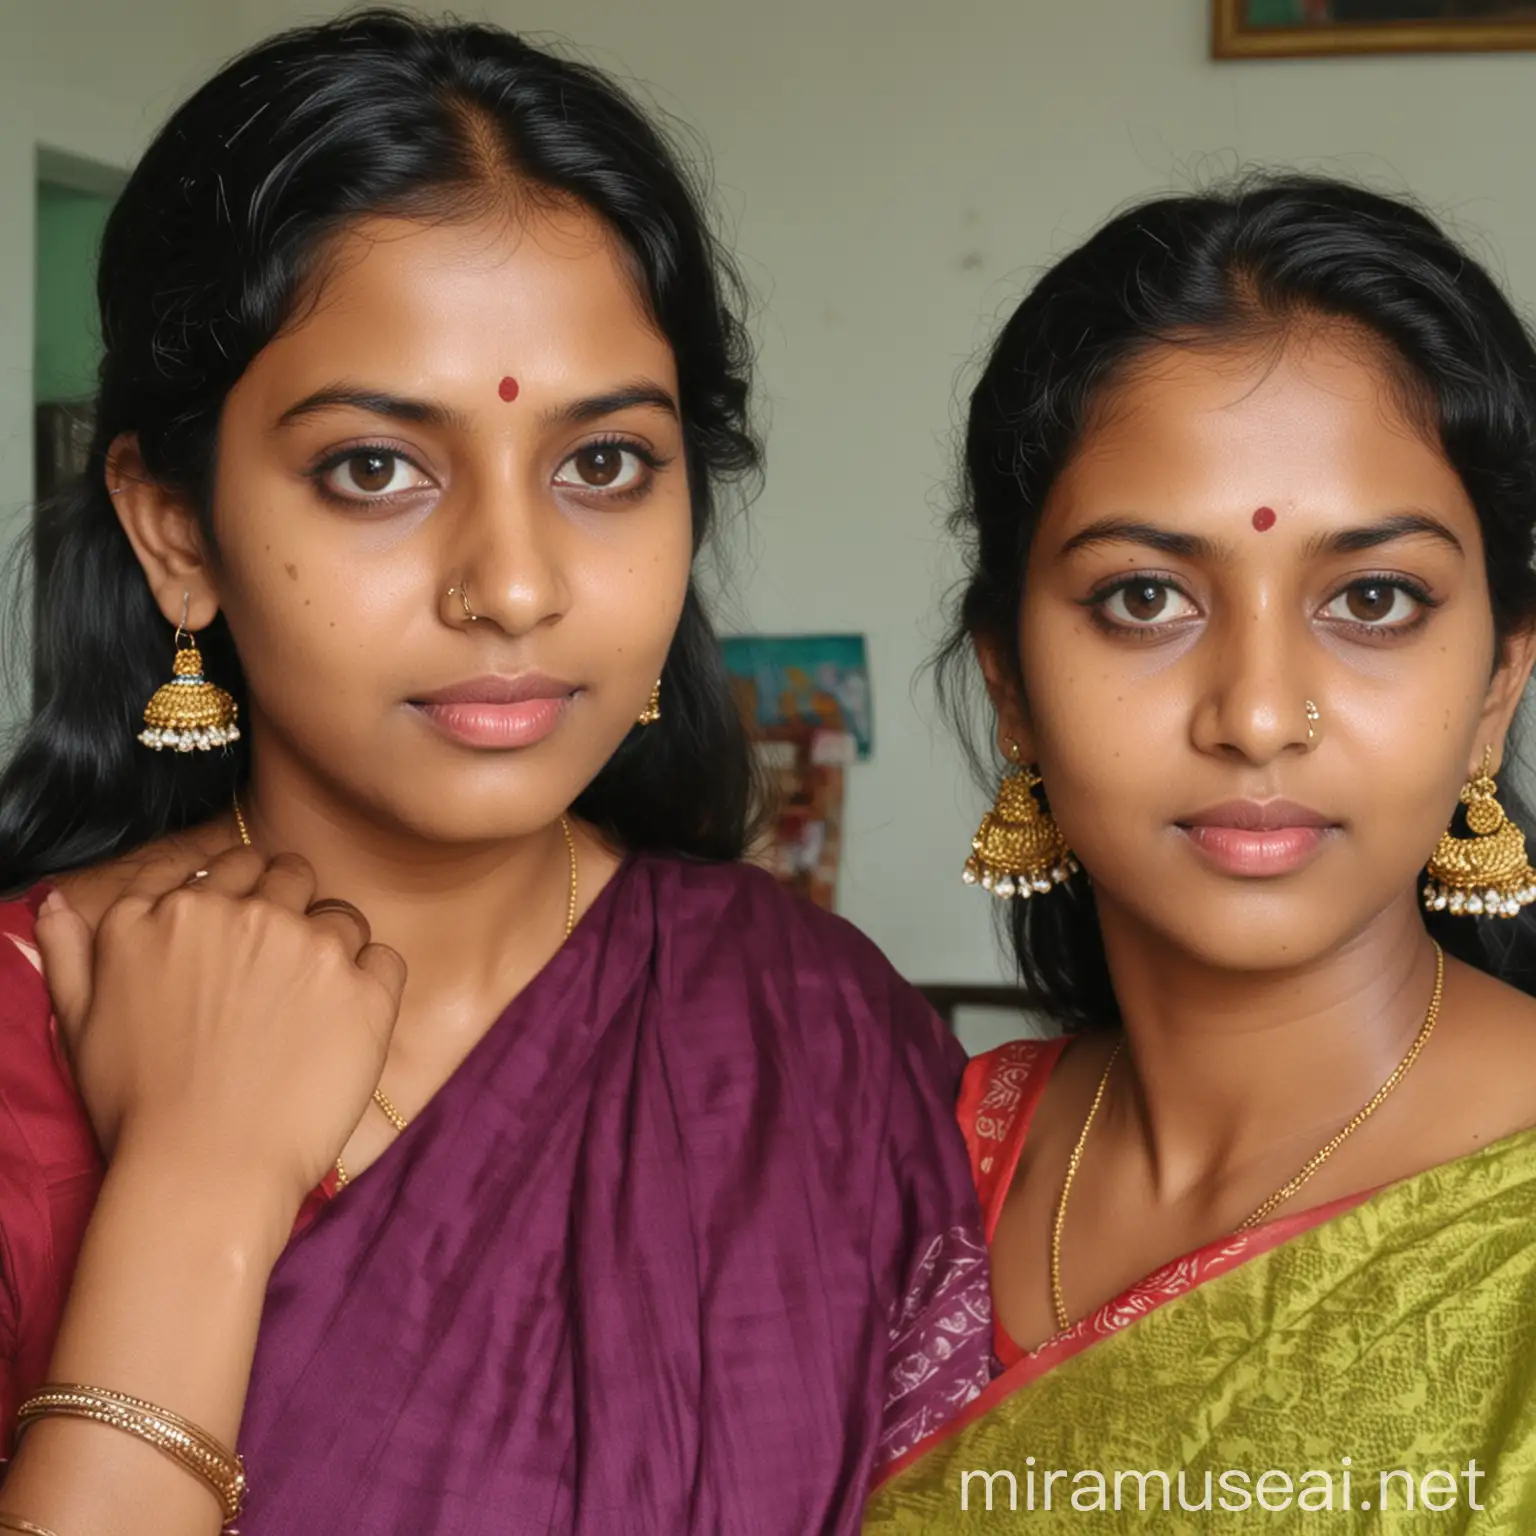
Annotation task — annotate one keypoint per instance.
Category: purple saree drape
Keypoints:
(687, 1245)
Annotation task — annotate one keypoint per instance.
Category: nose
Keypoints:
(1252, 701)
(509, 547)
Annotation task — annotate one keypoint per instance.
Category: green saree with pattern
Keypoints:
(1365, 1366)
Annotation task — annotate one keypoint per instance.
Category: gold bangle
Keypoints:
(16, 1523)
(188, 1446)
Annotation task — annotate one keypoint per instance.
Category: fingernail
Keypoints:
(52, 902)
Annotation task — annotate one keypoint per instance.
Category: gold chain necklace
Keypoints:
(1286, 1190)
(385, 1104)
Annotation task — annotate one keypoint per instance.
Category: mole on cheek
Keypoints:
(292, 570)
(1264, 519)
(507, 389)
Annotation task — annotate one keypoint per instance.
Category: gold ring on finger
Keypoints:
(324, 904)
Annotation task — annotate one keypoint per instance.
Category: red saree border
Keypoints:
(998, 1098)
(1011, 1104)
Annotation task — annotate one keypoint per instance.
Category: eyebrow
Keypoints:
(434, 413)
(430, 413)
(627, 397)
(1400, 525)
(1123, 530)
(1193, 546)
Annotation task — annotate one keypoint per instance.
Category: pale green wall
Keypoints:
(66, 343)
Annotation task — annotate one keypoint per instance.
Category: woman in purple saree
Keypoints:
(420, 381)
(705, 1268)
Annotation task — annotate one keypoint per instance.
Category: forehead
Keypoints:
(548, 295)
(1314, 423)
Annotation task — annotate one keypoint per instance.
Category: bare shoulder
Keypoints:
(91, 891)
(1486, 1068)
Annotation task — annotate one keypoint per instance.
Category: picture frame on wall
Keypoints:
(1312, 28)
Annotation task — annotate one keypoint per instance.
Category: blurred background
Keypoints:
(891, 174)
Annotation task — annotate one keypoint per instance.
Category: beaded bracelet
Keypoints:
(188, 1446)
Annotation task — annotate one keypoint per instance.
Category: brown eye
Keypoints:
(601, 465)
(608, 467)
(1146, 602)
(1378, 604)
(368, 474)
(1370, 604)
(372, 471)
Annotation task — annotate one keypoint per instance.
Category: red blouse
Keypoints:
(51, 1168)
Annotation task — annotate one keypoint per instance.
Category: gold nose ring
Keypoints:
(1313, 716)
(463, 596)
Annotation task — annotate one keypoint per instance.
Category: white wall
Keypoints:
(893, 171)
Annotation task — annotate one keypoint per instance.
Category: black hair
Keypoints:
(1232, 263)
(205, 257)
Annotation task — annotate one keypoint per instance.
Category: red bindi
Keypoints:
(1264, 519)
(507, 389)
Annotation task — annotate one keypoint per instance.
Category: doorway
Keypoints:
(74, 198)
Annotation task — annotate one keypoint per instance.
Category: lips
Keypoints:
(1258, 839)
(497, 712)
(1257, 816)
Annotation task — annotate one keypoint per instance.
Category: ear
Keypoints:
(1007, 701)
(1503, 698)
(164, 532)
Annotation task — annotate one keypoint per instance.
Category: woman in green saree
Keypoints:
(1251, 494)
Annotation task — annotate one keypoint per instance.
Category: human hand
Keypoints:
(214, 1024)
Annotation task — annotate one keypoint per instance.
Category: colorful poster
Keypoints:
(818, 682)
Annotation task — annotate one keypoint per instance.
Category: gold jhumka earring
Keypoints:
(1487, 874)
(652, 711)
(1018, 849)
(189, 714)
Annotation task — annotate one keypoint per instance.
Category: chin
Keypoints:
(461, 815)
(1273, 927)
